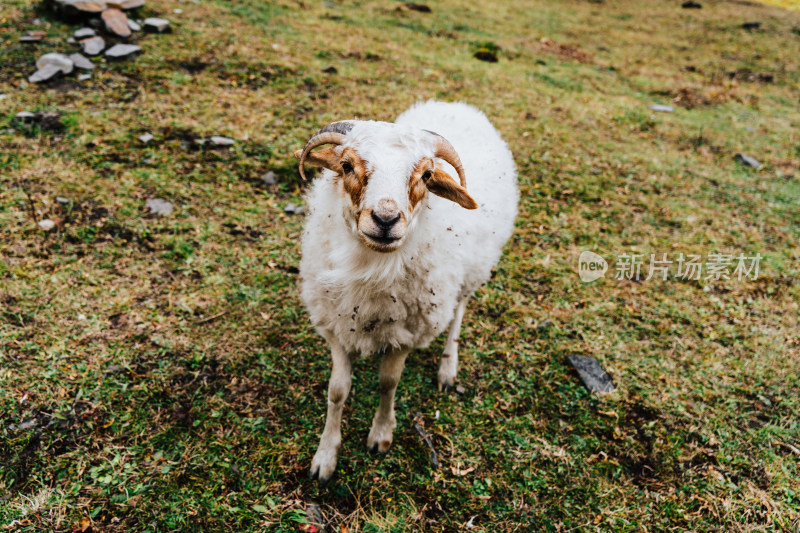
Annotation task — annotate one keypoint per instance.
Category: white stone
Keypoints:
(61, 61)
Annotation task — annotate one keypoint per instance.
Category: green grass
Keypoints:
(160, 374)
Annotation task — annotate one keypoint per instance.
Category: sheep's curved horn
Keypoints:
(445, 150)
(333, 133)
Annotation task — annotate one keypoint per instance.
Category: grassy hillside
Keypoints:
(158, 373)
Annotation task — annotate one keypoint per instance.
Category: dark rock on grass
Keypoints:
(594, 377)
(750, 26)
(157, 25)
(422, 8)
(93, 45)
(84, 33)
(46, 121)
(116, 22)
(330, 70)
(122, 51)
(486, 55)
(692, 5)
(158, 206)
(33, 36)
(81, 62)
(746, 160)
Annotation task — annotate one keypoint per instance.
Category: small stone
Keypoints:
(61, 200)
(422, 8)
(61, 61)
(47, 224)
(84, 77)
(177, 11)
(26, 116)
(131, 4)
(116, 22)
(84, 33)
(460, 389)
(82, 62)
(156, 25)
(662, 108)
(93, 45)
(45, 73)
(158, 206)
(221, 141)
(122, 51)
(146, 138)
(299, 210)
(290, 209)
(745, 159)
(330, 70)
(485, 55)
(592, 373)
(77, 7)
(270, 178)
(36, 21)
(71, 40)
(32, 36)
(692, 5)
(134, 26)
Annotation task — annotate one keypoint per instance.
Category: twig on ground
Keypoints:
(418, 421)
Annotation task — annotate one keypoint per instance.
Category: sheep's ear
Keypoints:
(321, 158)
(441, 184)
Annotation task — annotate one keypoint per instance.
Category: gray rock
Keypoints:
(32, 36)
(26, 116)
(593, 375)
(61, 61)
(48, 72)
(81, 62)
(156, 25)
(71, 40)
(122, 51)
(84, 77)
(84, 33)
(299, 210)
(290, 208)
(47, 224)
(745, 159)
(116, 22)
(146, 138)
(134, 26)
(662, 108)
(61, 200)
(23, 426)
(93, 45)
(158, 206)
(270, 178)
(218, 140)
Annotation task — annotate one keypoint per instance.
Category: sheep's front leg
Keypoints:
(324, 463)
(449, 363)
(384, 422)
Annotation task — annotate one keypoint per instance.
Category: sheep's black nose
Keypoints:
(385, 223)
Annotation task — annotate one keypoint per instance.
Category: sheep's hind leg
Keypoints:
(449, 363)
(324, 463)
(384, 422)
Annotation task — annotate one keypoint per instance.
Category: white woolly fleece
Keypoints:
(370, 301)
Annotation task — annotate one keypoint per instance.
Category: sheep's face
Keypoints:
(384, 172)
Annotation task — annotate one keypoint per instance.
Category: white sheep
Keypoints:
(393, 246)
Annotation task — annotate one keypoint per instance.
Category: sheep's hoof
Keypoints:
(380, 448)
(323, 467)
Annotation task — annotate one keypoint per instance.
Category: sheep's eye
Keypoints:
(426, 175)
(347, 166)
